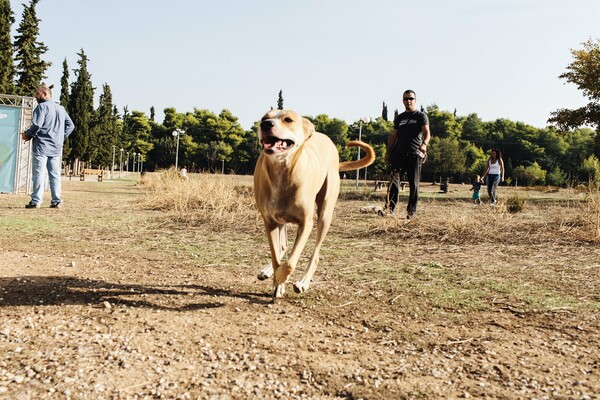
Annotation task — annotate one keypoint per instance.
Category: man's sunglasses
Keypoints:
(409, 98)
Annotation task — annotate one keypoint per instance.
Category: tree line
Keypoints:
(566, 152)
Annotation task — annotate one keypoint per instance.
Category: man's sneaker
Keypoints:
(56, 205)
(31, 205)
(411, 215)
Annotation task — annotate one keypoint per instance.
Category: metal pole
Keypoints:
(141, 163)
(121, 163)
(134, 154)
(127, 165)
(112, 166)
(177, 152)
(358, 155)
(222, 167)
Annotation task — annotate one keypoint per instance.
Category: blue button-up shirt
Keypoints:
(50, 125)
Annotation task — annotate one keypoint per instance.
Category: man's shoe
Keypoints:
(31, 205)
(56, 205)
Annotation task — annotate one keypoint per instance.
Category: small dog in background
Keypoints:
(371, 209)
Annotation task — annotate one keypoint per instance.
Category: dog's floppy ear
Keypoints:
(309, 128)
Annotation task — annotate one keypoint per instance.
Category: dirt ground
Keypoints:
(103, 299)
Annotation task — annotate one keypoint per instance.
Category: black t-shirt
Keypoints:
(409, 126)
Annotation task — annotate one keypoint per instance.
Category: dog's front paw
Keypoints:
(265, 273)
(300, 287)
(279, 291)
(282, 273)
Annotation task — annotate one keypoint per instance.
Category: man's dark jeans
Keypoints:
(411, 165)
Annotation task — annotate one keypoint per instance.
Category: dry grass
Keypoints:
(451, 222)
(225, 200)
(208, 199)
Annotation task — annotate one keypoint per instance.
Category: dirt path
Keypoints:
(103, 300)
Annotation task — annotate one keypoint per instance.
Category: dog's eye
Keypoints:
(288, 119)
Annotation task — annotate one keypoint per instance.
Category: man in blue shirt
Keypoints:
(50, 125)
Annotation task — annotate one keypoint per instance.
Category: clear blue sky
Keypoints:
(496, 58)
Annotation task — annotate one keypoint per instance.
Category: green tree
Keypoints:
(81, 110)
(337, 131)
(584, 71)
(247, 153)
(384, 112)
(530, 175)
(105, 132)
(30, 66)
(379, 167)
(473, 129)
(476, 159)
(65, 95)
(173, 119)
(139, 128)
(445, 158)
(580, 146)
(556, 177)
(64, 100)
(591, 168)
(442, 123)
(216, 139)
(162, 154)
(280, 100)
(7, 67)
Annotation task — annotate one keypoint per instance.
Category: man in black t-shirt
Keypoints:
(406, 151)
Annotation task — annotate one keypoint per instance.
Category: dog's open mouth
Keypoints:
(273, 144)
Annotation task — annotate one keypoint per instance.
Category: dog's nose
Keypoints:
(266, 125)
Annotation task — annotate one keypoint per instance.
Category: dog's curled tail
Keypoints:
(365, 161)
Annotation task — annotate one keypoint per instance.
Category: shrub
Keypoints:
(515, 204)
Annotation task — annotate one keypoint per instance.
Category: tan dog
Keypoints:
(297, 169)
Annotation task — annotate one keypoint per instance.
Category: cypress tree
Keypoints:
(81, 110)
(280, 100)
(64, 101)
(64, 85)
(105, 133)
(384, 112)
(7, 67)
(30, 66)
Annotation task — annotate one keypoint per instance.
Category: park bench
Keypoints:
(97, 172)
(381, 184)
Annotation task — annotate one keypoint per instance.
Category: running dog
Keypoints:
(297, 170)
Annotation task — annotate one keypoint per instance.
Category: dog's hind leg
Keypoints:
(280, 246)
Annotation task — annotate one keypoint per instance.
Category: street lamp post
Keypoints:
(127, 165)
(112, 166)
(134, 154)
(176, 133)
(366, 120)
(141, 161)
(121, 163)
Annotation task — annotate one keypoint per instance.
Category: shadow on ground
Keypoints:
(60, 290)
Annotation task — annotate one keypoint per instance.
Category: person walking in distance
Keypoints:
(476, 189)
(495, 174)
(50, 125)
(406, 151)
